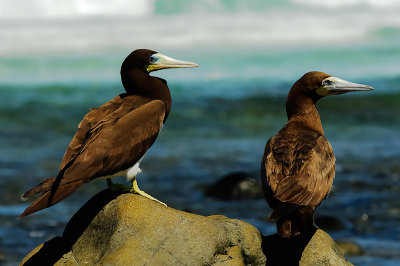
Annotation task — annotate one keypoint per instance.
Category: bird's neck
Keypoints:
(139, 82)
(301, 108)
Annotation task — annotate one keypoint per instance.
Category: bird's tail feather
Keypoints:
(296, 223)
(41, 187)
(50, 195)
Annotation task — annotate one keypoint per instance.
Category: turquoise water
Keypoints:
(56, 63)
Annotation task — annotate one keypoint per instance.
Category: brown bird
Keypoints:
(298, 165)
(112, 139)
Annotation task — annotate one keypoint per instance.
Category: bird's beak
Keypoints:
(334, 86)
(161, 61)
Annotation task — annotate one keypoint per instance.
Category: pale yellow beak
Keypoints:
(334, 86)
(160, 61)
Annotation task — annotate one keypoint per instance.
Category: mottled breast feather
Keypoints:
(298, 166)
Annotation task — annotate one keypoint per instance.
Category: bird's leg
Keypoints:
(117, 187)
(135, 189)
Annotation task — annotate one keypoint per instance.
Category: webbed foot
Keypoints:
(135, 189)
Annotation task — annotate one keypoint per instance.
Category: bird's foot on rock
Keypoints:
(135, 189)
(144, 194)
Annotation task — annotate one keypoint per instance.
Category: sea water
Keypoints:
(58, 60)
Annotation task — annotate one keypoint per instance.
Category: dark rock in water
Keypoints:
(329, 223)
(350, 248)
(128, 229)
(236, 186)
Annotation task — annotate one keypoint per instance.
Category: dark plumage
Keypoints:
(112, 139)
(298, 165)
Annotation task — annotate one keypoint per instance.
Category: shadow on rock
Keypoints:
(312, 249)
(51, 251)
(284, 251)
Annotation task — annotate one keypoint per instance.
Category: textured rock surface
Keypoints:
(322, 250)
(129, 229)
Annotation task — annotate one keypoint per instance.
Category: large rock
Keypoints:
(127, 229)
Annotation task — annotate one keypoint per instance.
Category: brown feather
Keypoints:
(41, 187)
(119, 145)
(298, 164)
(42, 202)
(105, 144)
(96, 118)
(113, 137)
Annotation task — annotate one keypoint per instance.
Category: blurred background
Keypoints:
(59, 58)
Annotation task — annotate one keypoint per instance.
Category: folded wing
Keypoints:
(109, 139)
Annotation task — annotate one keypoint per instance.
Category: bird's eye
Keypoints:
(327, 82)
(152, 59)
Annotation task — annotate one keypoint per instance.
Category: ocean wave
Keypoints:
(349, 3)
(232, 40)
(47, 9)
(284, 27)
(46, 27)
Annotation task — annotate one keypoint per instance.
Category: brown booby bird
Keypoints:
(298, 165)
(112, 139)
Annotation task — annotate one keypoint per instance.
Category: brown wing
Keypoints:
(113, 144)
(117, 144)
(299, 166)
(96, 118)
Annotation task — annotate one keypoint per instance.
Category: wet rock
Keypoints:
(350, 248)
(329, 223)
(127, 229)
(236, 186)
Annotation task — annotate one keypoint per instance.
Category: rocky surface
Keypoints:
(322, 250)
(128, 229)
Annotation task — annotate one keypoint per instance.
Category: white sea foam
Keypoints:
(226, 36)
(45, 9)
(283, 27)
(349, 3)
